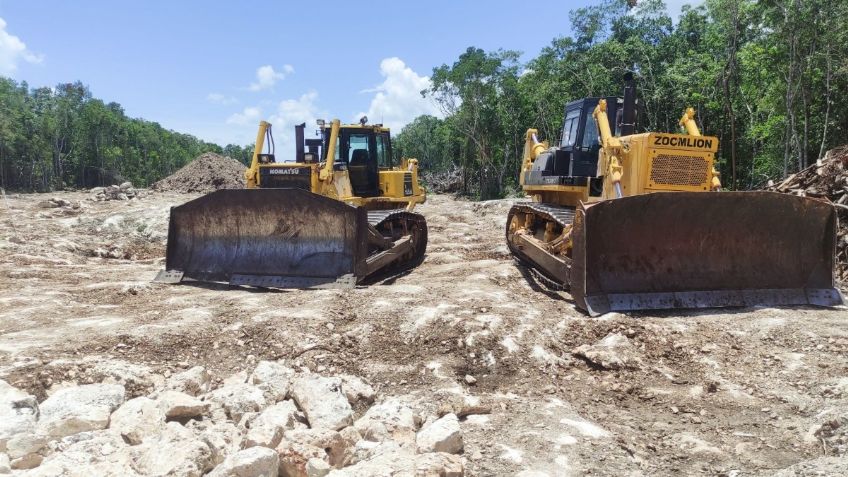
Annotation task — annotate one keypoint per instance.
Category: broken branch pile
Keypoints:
(826, 179)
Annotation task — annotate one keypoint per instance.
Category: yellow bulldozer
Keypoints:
(338, 215)
(628, 221)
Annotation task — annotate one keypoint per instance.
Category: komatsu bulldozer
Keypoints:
(338, 215)
(628, 221)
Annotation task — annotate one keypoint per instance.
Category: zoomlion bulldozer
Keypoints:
(628, 221)
(339, 215)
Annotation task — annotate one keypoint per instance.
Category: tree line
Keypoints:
(768, 78)
(62, 137)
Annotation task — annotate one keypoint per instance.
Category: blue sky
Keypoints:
(214, 69)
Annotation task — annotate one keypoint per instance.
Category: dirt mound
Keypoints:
(826, 179)
(207, 173)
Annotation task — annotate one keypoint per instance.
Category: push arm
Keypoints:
(251, 175)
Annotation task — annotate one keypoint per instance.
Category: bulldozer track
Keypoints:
(561, 215)
(410, 223)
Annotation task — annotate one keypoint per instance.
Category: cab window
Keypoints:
(569, 128)
(590, 132)
(358, 150)
(384, 161)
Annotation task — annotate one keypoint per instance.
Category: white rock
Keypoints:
(88, 454)
(79, 408)
(135, 377)
(615, 351)
(223, 438)
(334, 445)
(294, 457)
(356, 390)
(178, 405)
(268, 427)
(317, 467)
(29, 461)
(389, 420)
(440, 464)
(387, 459)
(5, 468)
(177, 451)
(126, 185)
(443, 435)
(238, 399)
(137, 419)
(194, 382)
(322, 401)
(273, 379)
(253, 462)
(25, 443)
(18, 412)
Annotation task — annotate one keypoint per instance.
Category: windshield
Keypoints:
(569, 128)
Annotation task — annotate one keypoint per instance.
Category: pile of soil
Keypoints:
(826, 179)
(208, 172)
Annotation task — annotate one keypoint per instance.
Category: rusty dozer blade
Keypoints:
(697, 250)
(282, 238)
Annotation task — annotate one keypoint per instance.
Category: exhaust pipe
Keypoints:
(628, 124)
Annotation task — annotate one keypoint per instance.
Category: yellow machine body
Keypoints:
(335, 216)
(643, 224)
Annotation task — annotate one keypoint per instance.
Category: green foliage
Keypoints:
(767, 78)
(52, 138)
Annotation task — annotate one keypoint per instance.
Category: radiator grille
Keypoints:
(673, 169)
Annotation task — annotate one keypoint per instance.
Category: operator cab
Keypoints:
(575, 160)
(363, 151)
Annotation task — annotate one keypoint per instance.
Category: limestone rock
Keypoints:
(615, 351)
(317, 467)
(356, 390)
(5, 468)
(18, 412)
(253, 462)
(137, 419)
(334, 445)
(135, 378)
(274, 379)
(87, 454)
(387, 458)
(223, 438)
(322, 401)
(238, 399)
(439, 464)
(268, 427)
(23, 444)
(389, 420)
(294, 457)
(442, 435)
(194, 382)
(79, 408)
(176, 451)
(29, 461)
(177, 405)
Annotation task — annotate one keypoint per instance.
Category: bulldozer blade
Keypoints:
(283, 238)
(703, 250)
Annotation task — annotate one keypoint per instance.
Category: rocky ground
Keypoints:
(462, 367)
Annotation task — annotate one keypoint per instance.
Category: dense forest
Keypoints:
(54, 138)
(769, 78)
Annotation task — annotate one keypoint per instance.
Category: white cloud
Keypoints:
(219, 98)
(248, 115)
(397, 100)
(13, 50)
(266, 77)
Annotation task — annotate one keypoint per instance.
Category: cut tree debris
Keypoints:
(826, 179)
